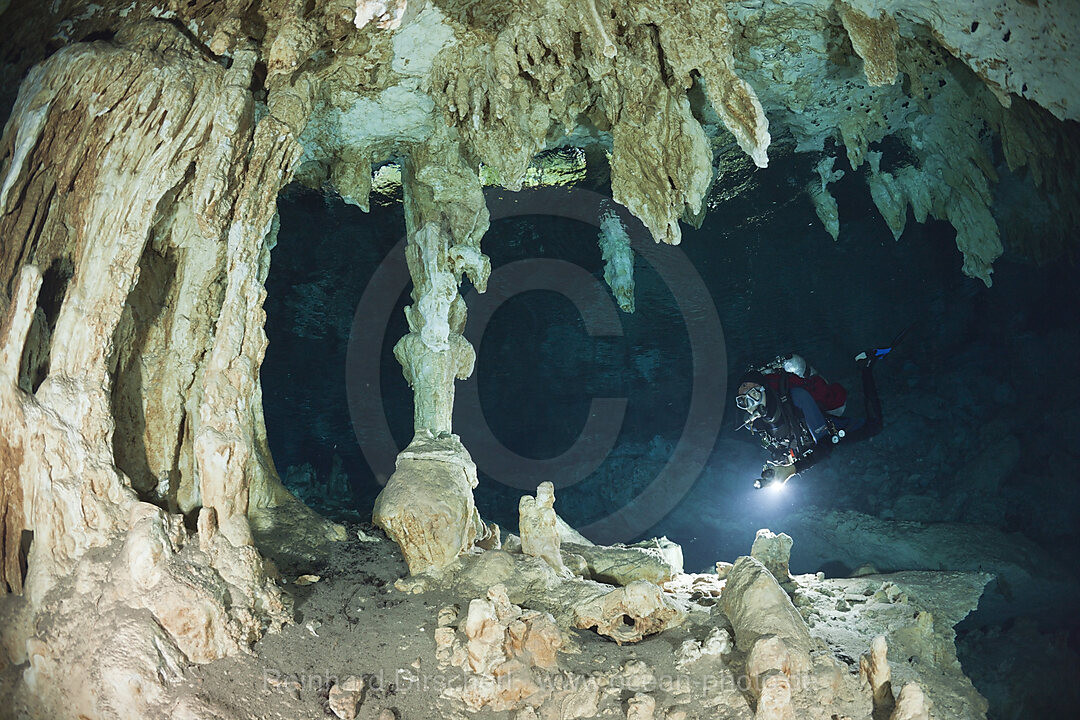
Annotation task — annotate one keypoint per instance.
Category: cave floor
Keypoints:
(353, 622)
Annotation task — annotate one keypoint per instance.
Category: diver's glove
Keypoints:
(775, 474)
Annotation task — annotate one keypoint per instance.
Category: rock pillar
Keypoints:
(445, 217)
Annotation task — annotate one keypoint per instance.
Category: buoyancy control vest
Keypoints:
(782, 427)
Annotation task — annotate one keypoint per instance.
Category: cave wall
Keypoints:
(135, 178)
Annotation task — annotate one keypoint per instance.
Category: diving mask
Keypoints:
(752, 401)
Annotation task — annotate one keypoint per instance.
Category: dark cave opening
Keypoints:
(976, 401)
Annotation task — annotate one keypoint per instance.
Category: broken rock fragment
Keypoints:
(345, 697)
(623, 565)
(629, 613)
(774, 552)
(757, 606)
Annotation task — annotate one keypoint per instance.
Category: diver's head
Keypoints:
(751, 397)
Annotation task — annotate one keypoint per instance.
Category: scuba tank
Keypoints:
(782, 427)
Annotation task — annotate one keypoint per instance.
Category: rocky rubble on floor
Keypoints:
(533, 639)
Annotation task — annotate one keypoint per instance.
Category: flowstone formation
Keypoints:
(150, 120)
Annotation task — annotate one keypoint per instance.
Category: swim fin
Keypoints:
(868, 357)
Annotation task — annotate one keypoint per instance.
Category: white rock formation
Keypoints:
(538, 524)
(774, 552)
(758, 607)
(618, 260)
(629, 613)
(150, 120)
(507, 654)
(622, 565)
(427, 505)
(138, 177)
(874, 669)
(911, 704)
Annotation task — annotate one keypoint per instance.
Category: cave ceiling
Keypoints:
(666, 89)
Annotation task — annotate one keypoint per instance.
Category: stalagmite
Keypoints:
(139, 170)
(758, 607)
(874, 668)
(427, 506)
(537, 522)
(774, 552)
(911, 704)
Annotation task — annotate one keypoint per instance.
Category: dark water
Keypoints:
(985, 376)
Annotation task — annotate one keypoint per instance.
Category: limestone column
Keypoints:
(427, 506)
(445, 217)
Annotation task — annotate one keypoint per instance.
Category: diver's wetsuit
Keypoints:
(855, 429)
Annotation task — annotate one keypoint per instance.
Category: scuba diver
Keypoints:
(797, 414)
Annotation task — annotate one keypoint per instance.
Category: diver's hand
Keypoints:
(775, 474)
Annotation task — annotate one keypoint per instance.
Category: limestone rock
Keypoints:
(504, 651)
(629, 613)
(623, 565)
(445, 217)
(716, 645)
(567, 534)
(641, 706)
(538, 525)
(147, 370)
(506, 92)
(768, 654)
(874, 39)
(150, 118)
(618, 259)
(919, 628)
(671, 552)
(386, 14)
(345, 697)
(911, 704)
(774, 552)
(874, 668)
(774, 702)
(757, 606)
(427, 505)
(824, 203)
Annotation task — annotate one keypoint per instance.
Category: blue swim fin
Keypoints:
(868, 357)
